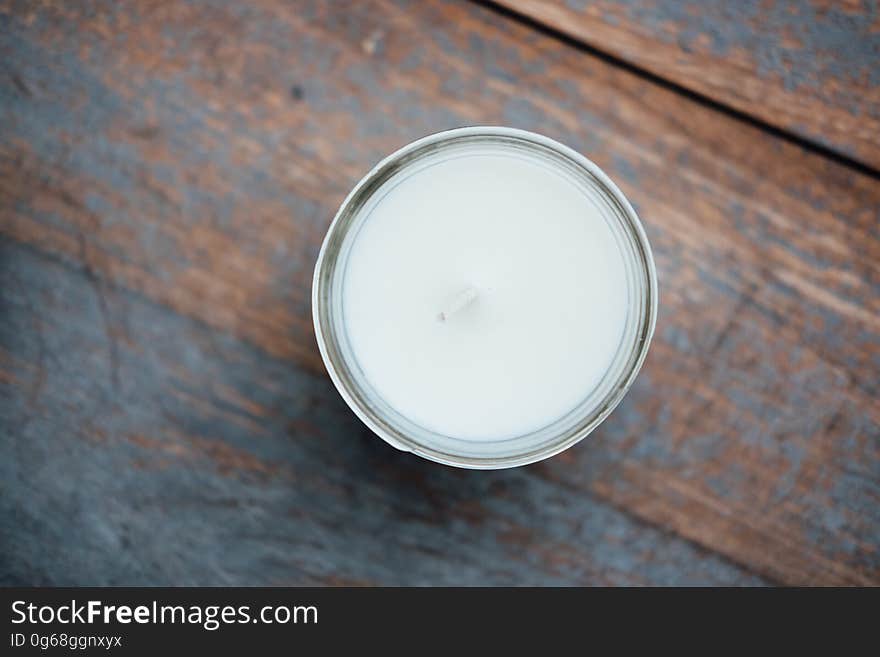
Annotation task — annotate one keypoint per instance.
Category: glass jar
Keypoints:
(579, 422)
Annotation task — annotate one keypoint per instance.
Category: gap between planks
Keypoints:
(694, 96)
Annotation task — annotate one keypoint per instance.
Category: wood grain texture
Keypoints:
(810, 67)
(167, 172)
(204, 461)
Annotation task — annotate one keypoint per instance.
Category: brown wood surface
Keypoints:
(167, 172)
(809, 67)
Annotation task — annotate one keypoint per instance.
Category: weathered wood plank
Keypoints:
(194, 153)
(141, 447)
(810, 67)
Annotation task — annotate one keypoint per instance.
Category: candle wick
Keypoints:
(458, 303)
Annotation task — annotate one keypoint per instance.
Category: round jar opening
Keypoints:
(484, 297)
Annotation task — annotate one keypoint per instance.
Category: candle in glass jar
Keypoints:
(484, 297)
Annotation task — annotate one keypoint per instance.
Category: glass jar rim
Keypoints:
(399, 431)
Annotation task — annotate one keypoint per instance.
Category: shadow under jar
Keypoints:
(484, 297)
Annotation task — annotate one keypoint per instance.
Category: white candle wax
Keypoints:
(485, 295)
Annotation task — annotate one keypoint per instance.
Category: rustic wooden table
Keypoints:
(168, 170)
